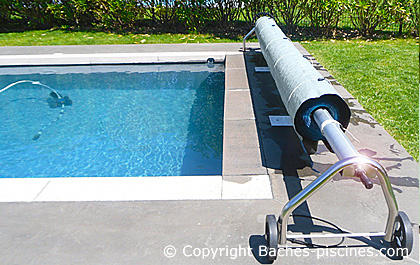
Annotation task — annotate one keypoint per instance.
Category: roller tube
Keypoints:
(301, 87)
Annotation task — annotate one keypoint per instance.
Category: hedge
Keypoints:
(324, 15)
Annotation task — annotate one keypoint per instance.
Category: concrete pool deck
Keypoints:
(137, 232)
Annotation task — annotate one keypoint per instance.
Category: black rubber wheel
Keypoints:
(271, 235)
(402, 239)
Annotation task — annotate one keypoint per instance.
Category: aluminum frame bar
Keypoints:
(246, 37)
(371, 234)
(319, 182)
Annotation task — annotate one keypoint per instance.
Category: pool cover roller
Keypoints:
(302, 88)
(318, 113)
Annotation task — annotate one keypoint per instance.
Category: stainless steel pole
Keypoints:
(332, 131)
(342, 147)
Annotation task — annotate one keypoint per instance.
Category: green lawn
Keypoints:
(383, 76)
(63, 37)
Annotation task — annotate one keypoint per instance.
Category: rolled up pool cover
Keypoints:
(302, 88)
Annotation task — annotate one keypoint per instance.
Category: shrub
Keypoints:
(117, 14)
(193, 14)
(324, 14)
(4, 10)
(367, 15)
(77, 13)
(401, 11)
(35, 14)
(162, 11)
(413, 17)
(198, 15)
(250, 8)
(290, 11)
(224, 11)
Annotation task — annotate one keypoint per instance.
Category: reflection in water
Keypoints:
(205, 132)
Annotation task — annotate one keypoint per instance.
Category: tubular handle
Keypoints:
(360, 173)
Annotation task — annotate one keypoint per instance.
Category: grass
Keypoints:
(64, 37)
(383, 76)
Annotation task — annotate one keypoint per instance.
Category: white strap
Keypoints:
(325, 123)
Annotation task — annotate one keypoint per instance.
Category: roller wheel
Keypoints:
(271, 235)
(402, 239)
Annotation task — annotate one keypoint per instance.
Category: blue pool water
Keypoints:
(133, 120)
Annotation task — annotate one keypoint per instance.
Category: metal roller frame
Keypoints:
(348, 157)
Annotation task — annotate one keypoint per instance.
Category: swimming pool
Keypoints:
(128, 120)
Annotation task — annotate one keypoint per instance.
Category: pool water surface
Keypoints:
(131, 120)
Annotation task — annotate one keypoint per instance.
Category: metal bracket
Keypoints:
(246, 37)
(261, 69)
(318, 183)
(281, 121)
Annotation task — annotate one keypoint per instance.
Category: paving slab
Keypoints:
(140, 232)
(246, 187)
(241, 148)
(236, 79)
(235, 62)
(129, 48)
(243, 161)
(240, 107)
(24, 190)
(110, 58)
(132, 188)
